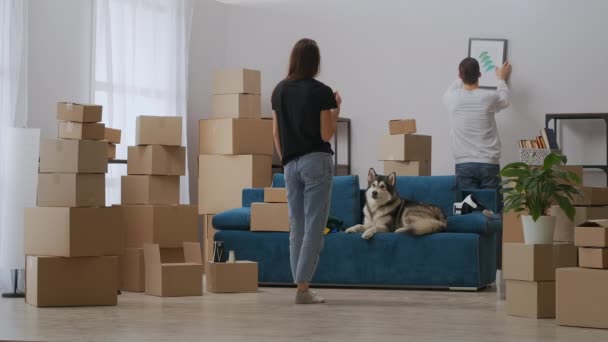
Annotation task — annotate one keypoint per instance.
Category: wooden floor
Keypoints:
(350, 315)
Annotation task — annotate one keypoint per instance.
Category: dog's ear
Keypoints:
(371, 175)
(392, 179)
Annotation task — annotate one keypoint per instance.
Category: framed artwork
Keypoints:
(491, 54)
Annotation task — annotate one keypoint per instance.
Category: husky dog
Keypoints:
(385, 211)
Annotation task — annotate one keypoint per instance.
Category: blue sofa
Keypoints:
(462, 257)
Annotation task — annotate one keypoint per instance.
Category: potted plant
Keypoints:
(532, 190)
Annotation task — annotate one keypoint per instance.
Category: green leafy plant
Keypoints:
(534, 189)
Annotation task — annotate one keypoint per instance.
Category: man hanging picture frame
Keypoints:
(491, 54)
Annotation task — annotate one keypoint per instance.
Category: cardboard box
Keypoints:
(80, 130)
(243, 106)
(407, 126)
(146, 189)
(165, 225)
(593, 257)
(112, 135)
(269, 217)
(592, 196)
(581, 297)
(406, 147)
(565, 255)
(223, 178)
(174, 279)
(275, 195)
(237, 81)
(158, 130)
(111, 151)
(87, 281)
(73, 232)
(564, 228)
(73, 156)
(592, 234)
(156, 160)
(408, 168)
(531, 299)
(132, 270)
(238, 277)
(208, 238)
(512, 228)
(78, 112)
(236, 136)
(528, 262)
(132, 267)
(71, 190)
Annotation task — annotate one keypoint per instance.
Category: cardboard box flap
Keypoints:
(152, 254)
(595, 223)
(192, 253)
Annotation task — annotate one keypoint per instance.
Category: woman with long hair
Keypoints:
(305, 117)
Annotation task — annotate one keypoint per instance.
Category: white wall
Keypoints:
(59, 59)
(394, 59)
(207, 53)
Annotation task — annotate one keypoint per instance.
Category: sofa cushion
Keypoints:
(345, 198)
(437, 190)
(442, 260)
(473, 223)
(233, 219)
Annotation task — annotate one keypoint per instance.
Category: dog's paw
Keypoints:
(368, 234)
(354, 229)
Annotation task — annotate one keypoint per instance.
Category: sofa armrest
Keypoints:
(475, 223)
(489, 198)
(233, 219)
(252, 196)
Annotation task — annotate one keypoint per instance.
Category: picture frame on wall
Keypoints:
(491, 54)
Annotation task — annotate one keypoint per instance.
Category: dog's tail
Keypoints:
(426, 226)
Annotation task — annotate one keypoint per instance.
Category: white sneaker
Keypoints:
(308, 297)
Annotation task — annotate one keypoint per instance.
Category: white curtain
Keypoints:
(15, 192)
(140, 68)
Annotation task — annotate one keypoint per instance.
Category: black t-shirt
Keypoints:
(298, 105)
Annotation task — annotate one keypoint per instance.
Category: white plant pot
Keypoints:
(539, 232)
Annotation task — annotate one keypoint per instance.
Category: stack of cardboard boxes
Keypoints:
(71, 239)
(235, 147)
(152, 214)
(404, 152)
(529, 271)
(581, 291)
(273, 214)
(112, 136)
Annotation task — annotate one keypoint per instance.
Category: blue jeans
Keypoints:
(477, 176)
(308, 181)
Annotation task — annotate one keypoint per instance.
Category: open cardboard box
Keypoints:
(592, 233)
(181, 279)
